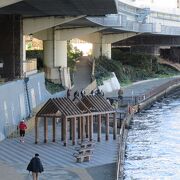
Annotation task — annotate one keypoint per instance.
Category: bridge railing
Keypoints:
(134, 100)
(30, 65)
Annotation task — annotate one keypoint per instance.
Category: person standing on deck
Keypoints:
(35, 166)
(22, 129)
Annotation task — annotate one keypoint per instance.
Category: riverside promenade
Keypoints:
(58, 160)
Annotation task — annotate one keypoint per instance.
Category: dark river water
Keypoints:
(153, 144)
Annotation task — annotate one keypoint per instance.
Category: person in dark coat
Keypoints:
(68, 93)
(76, 95)
(83, 93)
(35, 166)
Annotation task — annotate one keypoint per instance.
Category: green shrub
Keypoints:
(52, 87)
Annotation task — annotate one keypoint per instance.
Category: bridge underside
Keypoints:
(152, 40)
(29, 8)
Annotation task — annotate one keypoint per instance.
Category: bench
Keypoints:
(85, 151)
(87, 144)
(84, 146)
(82, 157)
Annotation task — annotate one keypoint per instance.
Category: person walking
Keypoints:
(76, 95)
(83, 93)
(35, 166)
(120, 93)
(22, 129)
(68, 93)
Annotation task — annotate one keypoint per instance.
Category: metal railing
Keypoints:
(134, 100)
(30, 65)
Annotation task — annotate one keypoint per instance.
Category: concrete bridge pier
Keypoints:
(55, 58)
(11, 46)
(102, 42)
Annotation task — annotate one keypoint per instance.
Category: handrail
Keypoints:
(134, 100)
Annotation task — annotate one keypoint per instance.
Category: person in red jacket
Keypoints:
(22, 128)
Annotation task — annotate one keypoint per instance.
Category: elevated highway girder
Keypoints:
(146, 40)
(29, 8)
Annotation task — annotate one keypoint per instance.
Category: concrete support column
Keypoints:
(11, 46)
(106, 50)
(55, 58)
(36, 130)
(24, 48)
(74, 132)
(107, 127)
(54, 129)
(99, 128)
(45, 129)
(114, 126)
(60, 50)
(97, 50)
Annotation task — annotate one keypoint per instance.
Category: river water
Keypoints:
(153, 144)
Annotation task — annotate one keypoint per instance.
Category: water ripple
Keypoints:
(153, 144)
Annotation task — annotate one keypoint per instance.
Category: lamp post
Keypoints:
(26, 79)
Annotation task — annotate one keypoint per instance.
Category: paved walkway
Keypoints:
(57, 159)
(82, 76)
(141, 87)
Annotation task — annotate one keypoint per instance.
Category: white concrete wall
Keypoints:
(110, 85)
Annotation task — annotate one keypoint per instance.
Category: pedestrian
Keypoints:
(22, 129)
(98, 92)
(120, 93)
(35, 166)
(68, 93)
(76, 95)
(102, 93)
(83, 93)
(92, 92)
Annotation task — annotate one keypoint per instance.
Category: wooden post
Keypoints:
(45, 129)
(87, 126)
(99, 128)
(36, 130)
(91, 128)
(62, 129)
(70, 128)
(107, 127)
(79, 128)
(74, 131)
(54, 129)
(82, 128)
(65, 131)
(114, 126)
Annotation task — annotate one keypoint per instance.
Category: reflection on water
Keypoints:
(153, 144)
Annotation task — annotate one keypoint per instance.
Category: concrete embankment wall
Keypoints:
(18, 102)
(125, 125)
(154, 98)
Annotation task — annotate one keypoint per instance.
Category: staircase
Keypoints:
(169, 63)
